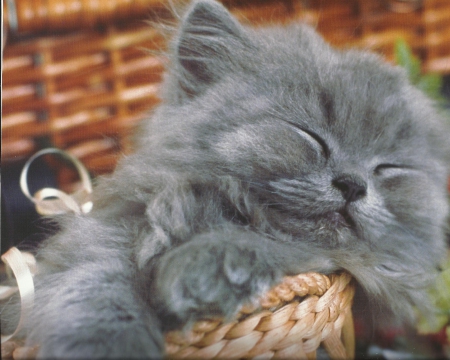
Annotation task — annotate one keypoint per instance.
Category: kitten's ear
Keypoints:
(207, 46)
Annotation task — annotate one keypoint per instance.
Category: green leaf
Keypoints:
(431, 85)
(430, 326)
(442, 291)
(440, 297)
(405, 58)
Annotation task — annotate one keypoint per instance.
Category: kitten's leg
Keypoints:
(215, 273)
(90, 309)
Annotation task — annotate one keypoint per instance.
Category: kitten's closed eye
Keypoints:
(387, 169)
(314, 139)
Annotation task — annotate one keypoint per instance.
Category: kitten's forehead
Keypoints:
(352, 100)
(352, 95)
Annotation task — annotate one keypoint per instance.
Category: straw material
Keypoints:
(37, 16)
(292, 321)
(82, 92)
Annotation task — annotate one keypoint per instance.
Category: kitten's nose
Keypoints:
(352, 187)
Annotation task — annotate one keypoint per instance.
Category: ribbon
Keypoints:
(19, 266)
(48, 201)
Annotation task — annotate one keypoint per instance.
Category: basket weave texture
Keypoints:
(292, 321)
(76, 77)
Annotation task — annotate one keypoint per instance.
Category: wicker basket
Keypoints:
(291, 321)
(75, 76)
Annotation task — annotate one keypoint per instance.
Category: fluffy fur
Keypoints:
(272, 154)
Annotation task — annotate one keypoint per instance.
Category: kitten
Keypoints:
(272, 154)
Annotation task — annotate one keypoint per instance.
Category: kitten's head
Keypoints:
(334, 148)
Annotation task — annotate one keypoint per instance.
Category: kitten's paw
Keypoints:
(210, 276)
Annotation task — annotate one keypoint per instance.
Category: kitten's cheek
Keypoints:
(418, 206)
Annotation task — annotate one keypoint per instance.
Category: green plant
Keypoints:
(430, 84)
(440, 295)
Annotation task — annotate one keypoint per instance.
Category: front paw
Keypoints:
(212, 275)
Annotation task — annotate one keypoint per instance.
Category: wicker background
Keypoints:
(76, 75)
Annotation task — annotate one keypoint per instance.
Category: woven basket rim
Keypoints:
(298, 314)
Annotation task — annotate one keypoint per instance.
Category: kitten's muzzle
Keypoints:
(352, 187)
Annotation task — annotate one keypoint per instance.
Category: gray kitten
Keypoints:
(272, 154)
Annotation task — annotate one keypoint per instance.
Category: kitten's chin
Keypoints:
(340, 218)
(338, 227)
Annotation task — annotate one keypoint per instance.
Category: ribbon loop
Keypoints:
(49, 201)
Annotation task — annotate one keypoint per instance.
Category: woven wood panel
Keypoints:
(82, 92)
(84, 89)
